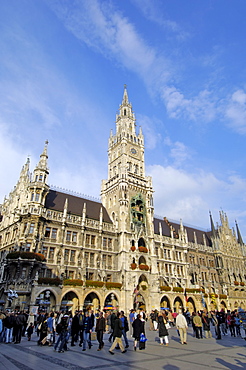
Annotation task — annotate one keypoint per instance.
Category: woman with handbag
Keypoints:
(163, 332)
(138, 329)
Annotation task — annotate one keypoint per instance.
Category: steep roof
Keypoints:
(55, 200)
(165, 224)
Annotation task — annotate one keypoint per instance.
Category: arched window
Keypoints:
(142, 260)
(141, 242)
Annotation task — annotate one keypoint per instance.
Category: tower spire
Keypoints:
(239, 237)
(41, 171)
(43, 162)
(212, 225)
(125, 96)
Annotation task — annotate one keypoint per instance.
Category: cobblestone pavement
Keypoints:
(228, 353)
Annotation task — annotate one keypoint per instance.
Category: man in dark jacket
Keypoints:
(112, 321)
(100, 329)
(62, 329)
(117, 334)
(19, 323)
(75, 329)
(81, 319)
(8, 323)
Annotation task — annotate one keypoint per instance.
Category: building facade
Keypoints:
(61, 251)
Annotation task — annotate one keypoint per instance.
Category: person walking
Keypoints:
(125, 327)
(51, 328)
(30, 331)
(163, 332)
(8, 323)
(206, 325)
(131, 319)
(112, 321)
(19, 322)
(155, 320)
(138, 329)
(62, 330)
(231, 323)
(87, 328)
(216, 322)
(43, 329)
(117, 334)
(100, 329)
(237, 324)
(81, 319)
(75, 329)
(182, 326)
(197, 321)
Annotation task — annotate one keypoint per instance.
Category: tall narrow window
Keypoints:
(31, 230)
(74, 237)
(68, 236)
(72, 256)
(47, 232)
(54, 233)
(66, 255)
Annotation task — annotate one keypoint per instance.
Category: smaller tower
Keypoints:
(38, 188)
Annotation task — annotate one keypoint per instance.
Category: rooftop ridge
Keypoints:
(184, 223)
(75, 193)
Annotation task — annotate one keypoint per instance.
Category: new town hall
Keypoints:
(62, 251)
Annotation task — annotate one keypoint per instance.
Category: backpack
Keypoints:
(126, 326)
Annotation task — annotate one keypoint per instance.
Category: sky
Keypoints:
(63, 66)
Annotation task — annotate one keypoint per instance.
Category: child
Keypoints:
(30, 330)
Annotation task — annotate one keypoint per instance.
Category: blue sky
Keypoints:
(63, 65)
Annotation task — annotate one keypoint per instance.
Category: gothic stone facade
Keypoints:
(113, 253)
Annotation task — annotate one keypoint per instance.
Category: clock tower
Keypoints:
(127, 195)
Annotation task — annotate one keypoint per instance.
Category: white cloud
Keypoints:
(200, 107)
(152, 137)
(103, 27)
(235, 111)
(179, 152)
(190, 196)
(153, 11)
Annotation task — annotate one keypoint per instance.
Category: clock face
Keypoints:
(133, 151)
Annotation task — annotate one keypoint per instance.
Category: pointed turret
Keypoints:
(41, 171)
(25, 170)
(239, 237)
(38, 186)
(125, 96)
(125, 120)
(212, 225)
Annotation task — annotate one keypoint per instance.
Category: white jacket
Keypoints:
(181, 321)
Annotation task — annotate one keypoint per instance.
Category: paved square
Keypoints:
(228, 353)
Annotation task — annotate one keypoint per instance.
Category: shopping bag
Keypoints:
(143, 338)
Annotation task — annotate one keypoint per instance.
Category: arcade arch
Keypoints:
(165, 302)
(177, 304)
(92, 302)
(139, 302)
(191, 305)
(70, 302)
(111, 301)
(46, 300)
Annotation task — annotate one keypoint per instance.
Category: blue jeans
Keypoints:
(125, 337)
(86, 338)
(8, 335)
(63, 340)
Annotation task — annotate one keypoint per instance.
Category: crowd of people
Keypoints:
(59, 329)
